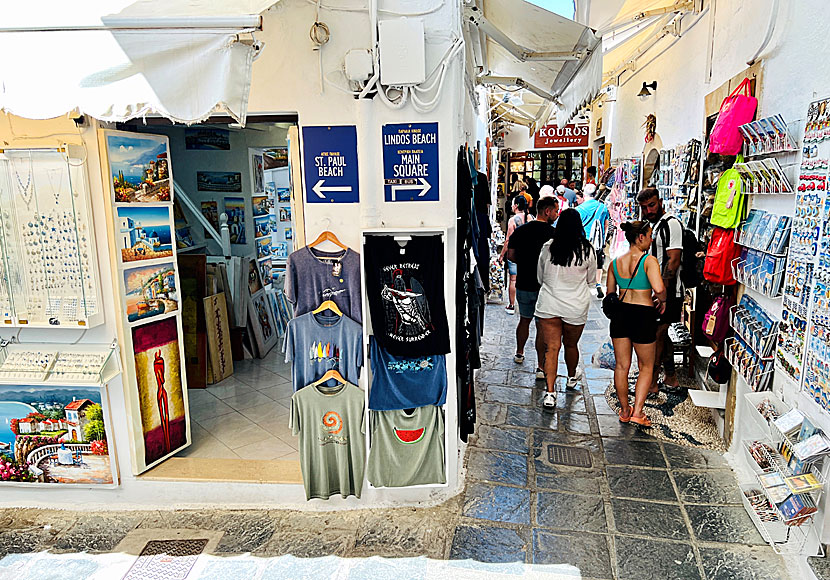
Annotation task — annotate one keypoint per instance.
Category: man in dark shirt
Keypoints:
(523, 249)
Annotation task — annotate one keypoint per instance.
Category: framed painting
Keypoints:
(58, 435)
(218, 337)
(139, 167)
(151, 291)
(160, 395)
(235, 209)
(262, 322)
(143, 232)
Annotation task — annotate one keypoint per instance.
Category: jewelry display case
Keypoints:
(49, 269)
(64, 364)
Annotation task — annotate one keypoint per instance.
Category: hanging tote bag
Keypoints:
(737, 109)
(728, 209)
(719, 256)
(716, 319)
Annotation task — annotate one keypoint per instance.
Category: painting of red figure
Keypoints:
(160, 396)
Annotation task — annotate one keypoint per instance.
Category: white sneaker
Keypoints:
(510, 309)
(540, 374)
(518, 358)
(573, 382)
(549, 401)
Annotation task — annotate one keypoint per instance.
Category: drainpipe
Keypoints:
(370, 195)
(770, 29)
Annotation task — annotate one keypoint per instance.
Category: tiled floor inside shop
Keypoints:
(246, 415)
(644, 509)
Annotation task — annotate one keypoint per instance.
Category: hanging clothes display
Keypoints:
(407, 447)
(406, 382)
(330, 424)
(316, 343)
(313, 276)
(405, 289)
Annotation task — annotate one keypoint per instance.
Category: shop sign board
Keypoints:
(410, 162)
(568, 137)
(330, 164)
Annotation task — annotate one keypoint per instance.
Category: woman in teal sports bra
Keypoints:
(636, 277)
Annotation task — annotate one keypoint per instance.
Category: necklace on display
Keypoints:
(26, 191)
(56, 191)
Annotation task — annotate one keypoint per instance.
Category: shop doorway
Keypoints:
(549, 167)
(244, 173)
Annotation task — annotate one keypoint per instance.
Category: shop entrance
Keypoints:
(222, 168)
(549, 167)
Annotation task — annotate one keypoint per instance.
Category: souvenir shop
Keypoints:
(152, 266)
(750, 184)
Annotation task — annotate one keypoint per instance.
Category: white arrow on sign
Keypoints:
(424, 186)
(319, 189)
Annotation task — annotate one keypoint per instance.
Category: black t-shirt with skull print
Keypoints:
(405, 287)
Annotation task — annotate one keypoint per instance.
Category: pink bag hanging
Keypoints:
(735, 110)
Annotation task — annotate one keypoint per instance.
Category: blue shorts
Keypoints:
(526, 301)
(512, 268)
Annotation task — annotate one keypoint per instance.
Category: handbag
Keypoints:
(719, 369)
(721, 253)
(728, 207)
(611, 302)
(716, 319)
(735, 110)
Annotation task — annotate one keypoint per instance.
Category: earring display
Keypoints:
(46, 233)
(57, 363)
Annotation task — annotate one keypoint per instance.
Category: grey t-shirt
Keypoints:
(316, 343)
(329, 422)
(407, 448)
(310, 280)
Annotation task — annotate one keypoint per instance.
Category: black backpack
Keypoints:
(691, 267)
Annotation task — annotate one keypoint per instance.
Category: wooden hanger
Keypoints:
(327, 236)
(328, 305)
(332, 374)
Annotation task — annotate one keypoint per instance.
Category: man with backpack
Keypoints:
(595, 218)
(667, 247)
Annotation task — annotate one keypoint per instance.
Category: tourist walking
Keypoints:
(595, 217)
(565, 269)
(520, 217)
(524, 248)
(667, 247)
(634, 320)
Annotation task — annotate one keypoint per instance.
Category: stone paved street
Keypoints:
(644, 509)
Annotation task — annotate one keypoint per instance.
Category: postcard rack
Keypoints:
(786, 533)
(767, 136)
(64, 364)
(49, 267)
(765, 283)
(759, 339)
(755, 370)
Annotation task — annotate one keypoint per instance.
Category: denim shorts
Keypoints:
(526, 301)
(512, 268)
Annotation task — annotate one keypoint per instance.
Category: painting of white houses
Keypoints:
(55, 435)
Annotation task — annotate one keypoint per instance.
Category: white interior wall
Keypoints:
(286, 79)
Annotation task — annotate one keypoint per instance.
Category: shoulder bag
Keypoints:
(611, 302)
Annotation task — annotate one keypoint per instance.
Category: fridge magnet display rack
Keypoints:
(49, 272)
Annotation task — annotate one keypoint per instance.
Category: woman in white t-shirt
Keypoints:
(567, 271)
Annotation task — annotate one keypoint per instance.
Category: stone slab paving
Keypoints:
(644, 509)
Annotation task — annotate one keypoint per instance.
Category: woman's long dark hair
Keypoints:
(570, 246)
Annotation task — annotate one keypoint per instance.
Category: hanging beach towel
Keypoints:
(735, 110)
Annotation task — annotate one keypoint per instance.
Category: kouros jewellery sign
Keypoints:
(569, 136)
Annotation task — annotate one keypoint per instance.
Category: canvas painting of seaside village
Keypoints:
(54, 435)
(139, 168)
(144, 232)
(151, 290)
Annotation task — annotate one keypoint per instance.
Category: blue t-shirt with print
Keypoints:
(406, 382)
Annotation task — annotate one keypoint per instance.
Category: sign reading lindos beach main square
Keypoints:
(330, 164)
(410, 162)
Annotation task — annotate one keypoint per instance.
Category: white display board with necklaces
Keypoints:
(49, 274)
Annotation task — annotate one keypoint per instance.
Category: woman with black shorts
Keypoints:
(643, 296)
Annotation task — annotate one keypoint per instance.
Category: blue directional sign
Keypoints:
(330, 164)
(410, 162)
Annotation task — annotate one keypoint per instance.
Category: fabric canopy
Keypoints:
(117, 59)
(571, 82)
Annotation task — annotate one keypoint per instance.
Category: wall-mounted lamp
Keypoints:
(644, 92)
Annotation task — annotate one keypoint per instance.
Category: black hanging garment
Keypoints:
(405, 288)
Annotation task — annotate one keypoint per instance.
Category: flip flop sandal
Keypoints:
(643, 421)
(625, 419)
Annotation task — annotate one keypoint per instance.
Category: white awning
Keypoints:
(119, 59)
(543, 52)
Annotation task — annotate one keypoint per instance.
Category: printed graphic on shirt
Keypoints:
(412, 365)
(409, 435)
(326, 354)
(332, 429)
(332, 293)
(407, 311)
